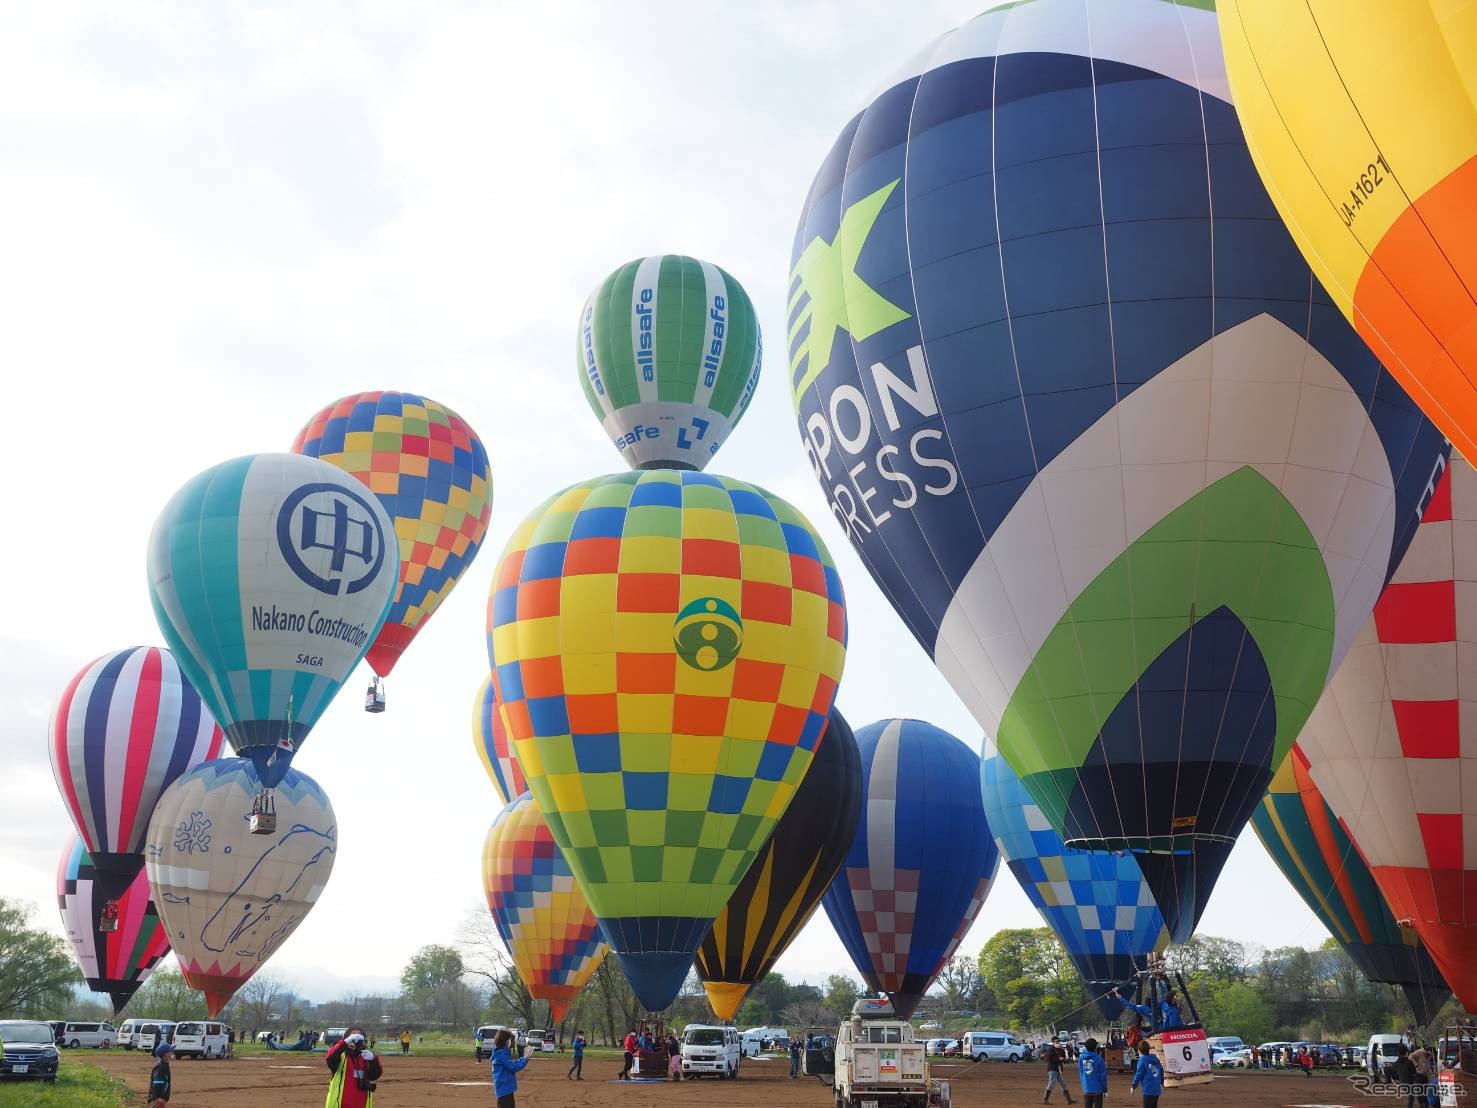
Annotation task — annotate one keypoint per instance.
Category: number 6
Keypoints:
(1188, 1055)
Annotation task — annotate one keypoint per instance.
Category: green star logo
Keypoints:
(838, 297)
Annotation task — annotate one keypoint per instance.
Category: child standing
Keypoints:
(160, 1080)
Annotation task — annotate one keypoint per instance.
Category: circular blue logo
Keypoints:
(339, 522)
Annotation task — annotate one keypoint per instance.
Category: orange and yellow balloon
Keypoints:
(1361, 119)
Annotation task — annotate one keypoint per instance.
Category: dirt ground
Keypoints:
(300, 1081)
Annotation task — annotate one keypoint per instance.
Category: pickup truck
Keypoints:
(875, 1061)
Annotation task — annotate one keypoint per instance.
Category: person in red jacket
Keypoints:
(355, 1069)
(629, 1046)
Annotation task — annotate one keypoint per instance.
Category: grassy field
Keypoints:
(78, 1085)
(433, 1044)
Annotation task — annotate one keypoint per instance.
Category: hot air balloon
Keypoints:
(118, 961)
(231, 897)
(1386, 745)
(1361, 120)
(1314, 853)
(491, 740)
(668, 354)
(784, 886)
(922, 861)
(1097, 902)
(270, 576)
(125, 728)
(1114, 457)
(540, 912)
(430, 472)
(668, 647)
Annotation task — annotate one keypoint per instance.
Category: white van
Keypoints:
(1226, 1043)
(992, 1046)
(483, 1036)
(151, 1034)
(200, 1039)
(125, 1033)
(101, 1035)
(751, 1044)
(1383, 1050)
(709, 1049)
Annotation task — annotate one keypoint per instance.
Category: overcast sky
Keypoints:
(217, 219)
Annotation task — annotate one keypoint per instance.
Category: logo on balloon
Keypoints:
(339, 522)
(708, 634)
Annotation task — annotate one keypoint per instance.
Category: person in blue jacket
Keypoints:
(505, 1068)
(1169, 1010)
(1148, 1074)
(1092, 1070)
(1142, 1009)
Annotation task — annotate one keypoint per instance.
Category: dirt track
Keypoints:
(300, 1081)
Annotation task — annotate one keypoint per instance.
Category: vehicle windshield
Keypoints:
(191, 1029)
(704, 1036)
(26, 1032)
(892, 1034)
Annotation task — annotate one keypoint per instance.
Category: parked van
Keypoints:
(101, 1035)
(709, 1049)
(992, 1046)
(1226, 1043)
(125, 1033)
(200, 1040)
(482, 1039)
(1382, 1053)
(751, 1044)
(151, 1034)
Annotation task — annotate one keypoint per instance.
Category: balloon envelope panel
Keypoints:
(539, 910)
(785, 883)
(668, 646)
(493, 748)
(1114, 457)
(112, 962)
(430, 471)
(668, 353)
(229, 898)
(270, 576)
(1387, 746)
(1097, 902)
(125, 728)
(1362, 121)
(922, 861)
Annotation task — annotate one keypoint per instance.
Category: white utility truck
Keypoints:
(875, 1061)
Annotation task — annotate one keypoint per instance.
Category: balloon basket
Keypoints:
(263, 814)
(108, 921)
(374, 697)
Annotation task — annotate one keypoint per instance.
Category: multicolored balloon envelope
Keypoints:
(1389, 745)
(539, 910)
(431, 474)
(230, 898)
(1362, 121)
(125, 728)
(1314, 853)
(784, 886)
(1097, 902)
(1115, 458)
(493, 749)
(668, 646)
(270, 576)
(113, 962)
(922, 862)
(668, 354)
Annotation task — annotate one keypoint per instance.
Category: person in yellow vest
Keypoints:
(405, 1041)
(355, 1070)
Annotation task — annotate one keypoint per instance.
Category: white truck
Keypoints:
(875, 1061)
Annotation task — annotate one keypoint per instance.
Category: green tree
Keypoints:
(1236, 1008)
(37, 974)
(1029, 971)
(166, 996)
(425, 977)
(961, 984)
(840, 994)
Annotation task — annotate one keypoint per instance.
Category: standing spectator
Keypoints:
(354, 1070)
(1305, 1061)
(1148, 1073)
(505, 1068)
(576, 1071)
(1420, 1061)
(629, 1047)
(674, 1057)
(1092, 1069)
(794, 1058)
(160, 1080)
(1403, 1071)
(405, 1041)
(1054, 1061)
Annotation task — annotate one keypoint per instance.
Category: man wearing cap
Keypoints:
(159, 1078)
(355, 1070)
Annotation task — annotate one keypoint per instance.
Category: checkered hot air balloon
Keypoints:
(1097, 902)
(114, 962)
(922, 861)
(1390, 744)
(126, 727)
(1111, 452)
(784, 885)
(431, 473)
(1316, 855)
(668, 353)
(539, 910)
(668, 645)
(231, 898)
(494, 751)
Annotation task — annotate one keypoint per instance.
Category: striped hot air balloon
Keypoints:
(1316, 855)
(490, 738)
